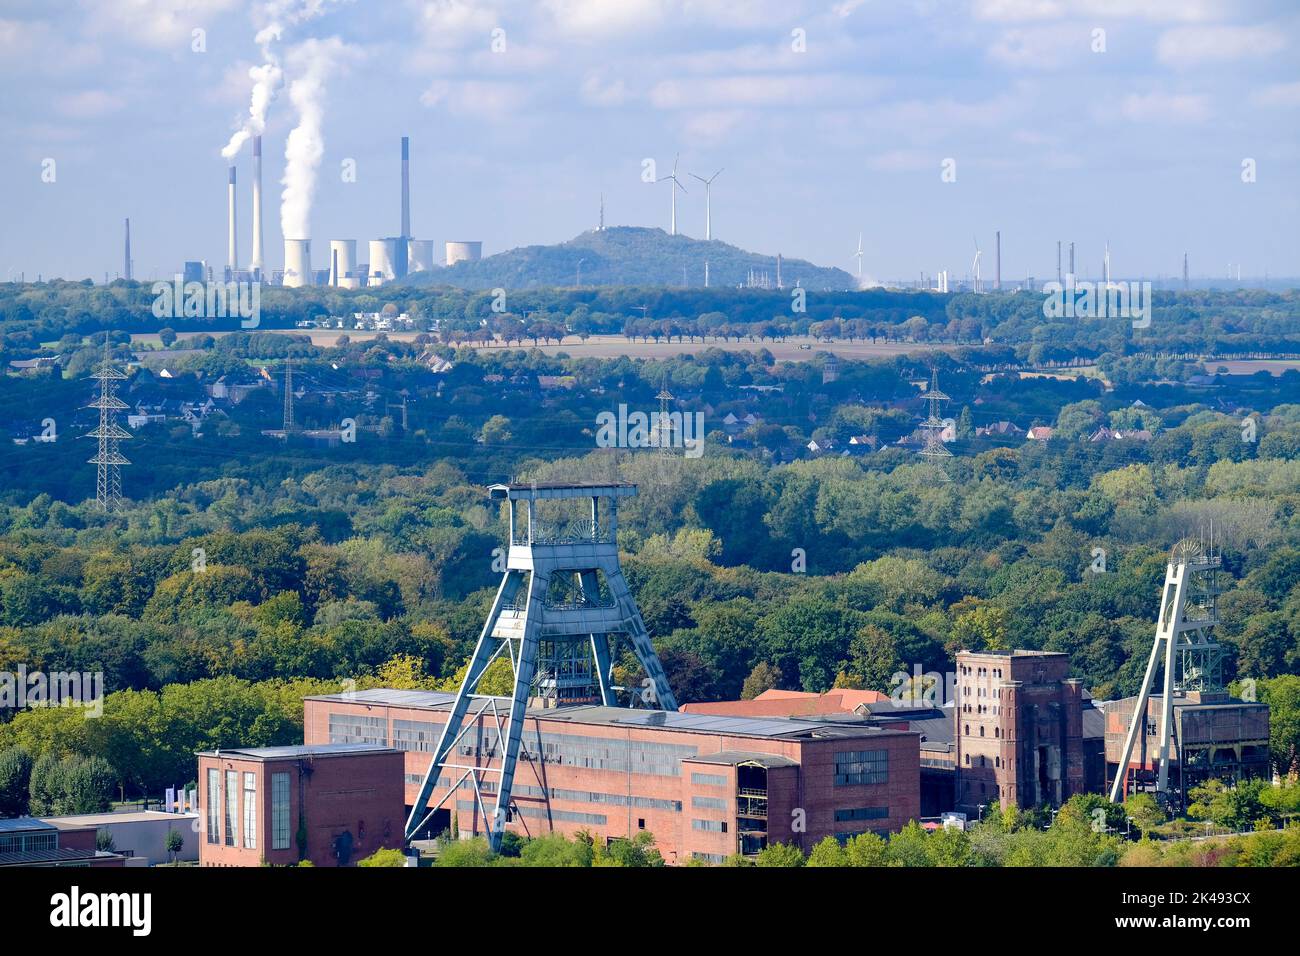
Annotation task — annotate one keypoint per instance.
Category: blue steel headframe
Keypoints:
(584, 551)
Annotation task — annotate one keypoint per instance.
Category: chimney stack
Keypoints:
(406, 187)
(256, 264)
(997, 259)
(232, 245)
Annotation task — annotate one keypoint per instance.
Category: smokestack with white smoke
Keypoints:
(310, 64)
(271, 18)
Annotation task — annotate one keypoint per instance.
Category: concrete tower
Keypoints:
(232, 246)
(561, 597)
(256, 264)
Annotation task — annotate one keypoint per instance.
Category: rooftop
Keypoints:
(17, 824)
(296, 751)
(732, 758)
(102, 819)
(771, 727)
(561, 489)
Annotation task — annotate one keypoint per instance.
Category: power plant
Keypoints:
(389, 259)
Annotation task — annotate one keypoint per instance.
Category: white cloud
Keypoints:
(1279, 94)
(811, 91)
(599, 91)
(1165, 107)
(476, 98)
(156, 23)
(1191, 46)
(88, 104)
(1159, 11)
(1050, 47)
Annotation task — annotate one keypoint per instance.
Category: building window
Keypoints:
(357, 729)
(279, 811)
(848, 815)
(708, 803)
(640, 823)
(250, 811)
(708, 780)
(712, 826)
(858, 767)
(214, 803)
(232, 808)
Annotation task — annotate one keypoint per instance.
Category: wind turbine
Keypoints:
(975, 266)
(858, 256)
(708, 205)
(676, 186)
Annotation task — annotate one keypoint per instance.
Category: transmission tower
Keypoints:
(1193, 659)
(933, 426)
(108, 480)
(288, 396)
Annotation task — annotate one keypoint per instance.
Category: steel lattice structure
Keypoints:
(1192, 657)
(108, 459)
(562, 596)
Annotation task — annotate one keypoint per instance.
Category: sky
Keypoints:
(924, 125)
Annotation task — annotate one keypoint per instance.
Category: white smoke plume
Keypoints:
(310, 63)
(272, 18)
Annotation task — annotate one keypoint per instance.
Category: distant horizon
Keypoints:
(1167, 129)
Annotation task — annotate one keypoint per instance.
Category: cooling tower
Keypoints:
(256, 264)
(419, 255)
(297, 263)
(343, 258)
(232, 246)
(383, 253)
(464, 252)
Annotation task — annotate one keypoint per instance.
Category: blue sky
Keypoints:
(1141, 144)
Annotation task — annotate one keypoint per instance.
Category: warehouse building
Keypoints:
(705, 786)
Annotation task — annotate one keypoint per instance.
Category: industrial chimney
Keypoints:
(997, 260)
(406, 187)
(232, 245)
(126, 270)
(256, 265)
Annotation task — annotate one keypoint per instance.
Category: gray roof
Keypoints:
(771, 727)
(16, 824)
(731, 758)
(296, 751)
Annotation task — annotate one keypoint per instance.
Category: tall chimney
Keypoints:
(256, 264)
(997, 260)
(1184, 272)
(126, 269)
(406, 187)
(232, 245)
(1071, 258)
(1058, 261)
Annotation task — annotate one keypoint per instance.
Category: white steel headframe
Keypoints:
(520, 620)
(1182, 628)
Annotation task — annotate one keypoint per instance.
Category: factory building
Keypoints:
(1019, 730)
(1215, 736)
(705, 786)
(332, 805)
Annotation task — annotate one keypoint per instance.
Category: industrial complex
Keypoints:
(386, 259)
(569, 751)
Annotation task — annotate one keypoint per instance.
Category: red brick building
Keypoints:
(261, 804)
(705, 786)
(1019, 736)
